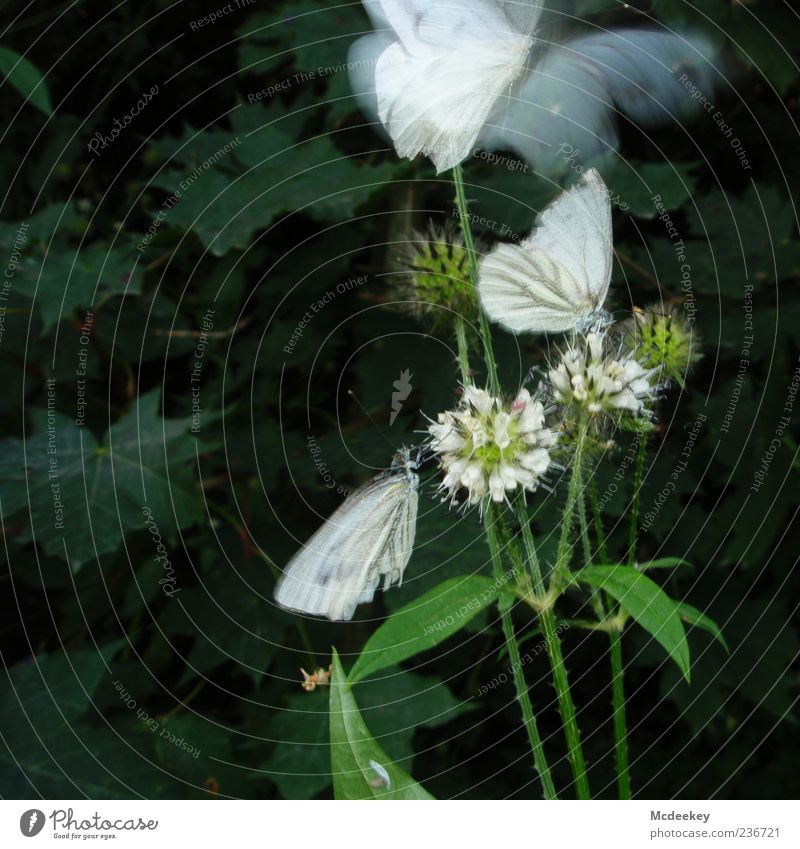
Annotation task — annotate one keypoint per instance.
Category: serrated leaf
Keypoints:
(60, 279)
(26, 79)
(81, 496)
(229, 201)
(647, 603)
(361, 769)
(699, 619)
(424, 623)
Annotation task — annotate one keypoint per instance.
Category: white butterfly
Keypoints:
(566, 104)
(558, 278)
(371, 535)
(440, 69)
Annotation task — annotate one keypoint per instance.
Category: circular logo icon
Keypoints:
(31, 822)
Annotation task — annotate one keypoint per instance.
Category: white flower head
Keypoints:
(437, 67)
(488, 448)
(590, 376)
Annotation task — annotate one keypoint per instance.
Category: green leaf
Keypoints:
(39, 704)
(319, 35)
(663, 563)
(61, 279)
(647, 603)
(424, 623)
(300, 763)
(699, 620)
(260, 174)
(360, 767)
(26, 79)
(82, 496)
(653, 188)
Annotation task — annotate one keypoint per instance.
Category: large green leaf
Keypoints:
(647, 603)
(40, 702)
(261, 172)
(26, 79)
(361, 769)
(81, 496)
(61, 279)
(394, 705)
(424, 623)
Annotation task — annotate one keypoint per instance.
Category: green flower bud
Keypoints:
(437, 280)
(664, 341)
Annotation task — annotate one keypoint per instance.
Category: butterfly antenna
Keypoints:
(374, 423)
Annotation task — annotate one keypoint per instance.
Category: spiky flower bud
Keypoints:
(663, 341)
(487, 448)
(437, 280)
(590, 377)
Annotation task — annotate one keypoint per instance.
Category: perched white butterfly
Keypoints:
(370, 536)
(440, 69)
(558, 278)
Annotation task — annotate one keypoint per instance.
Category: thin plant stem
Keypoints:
(620, 718)
(469, 243)
(617, 673)
(552, 641)
(512, 645)
(598, 522)
(463, 349)
(564, 551)
(637, 497)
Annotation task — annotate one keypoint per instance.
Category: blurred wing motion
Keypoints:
(370, 536)
(568, 101)
(558, 278)
(435, 83)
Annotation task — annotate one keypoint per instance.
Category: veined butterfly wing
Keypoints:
(437, 85)
(559, 276)
(369, 537)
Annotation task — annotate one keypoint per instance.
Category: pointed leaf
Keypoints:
(663, 563)
(424, 623)
(360, 767)
(699, 620)
(647, 603)
(25, 78)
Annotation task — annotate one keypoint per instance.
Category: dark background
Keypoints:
(100, 663)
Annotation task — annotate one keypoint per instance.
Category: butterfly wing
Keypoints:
(571, 97)
(561, 273)
(371, 535)
(437, 85)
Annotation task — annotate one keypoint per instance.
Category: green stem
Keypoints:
(598, 522)
(528, 716)
(617, 673)
(637, 498)
(556, 657)
(463, 349)
(469, 243)
(620, 719)
(564, 551)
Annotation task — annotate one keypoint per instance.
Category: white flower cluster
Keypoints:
(591, 377)
(487, 448)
